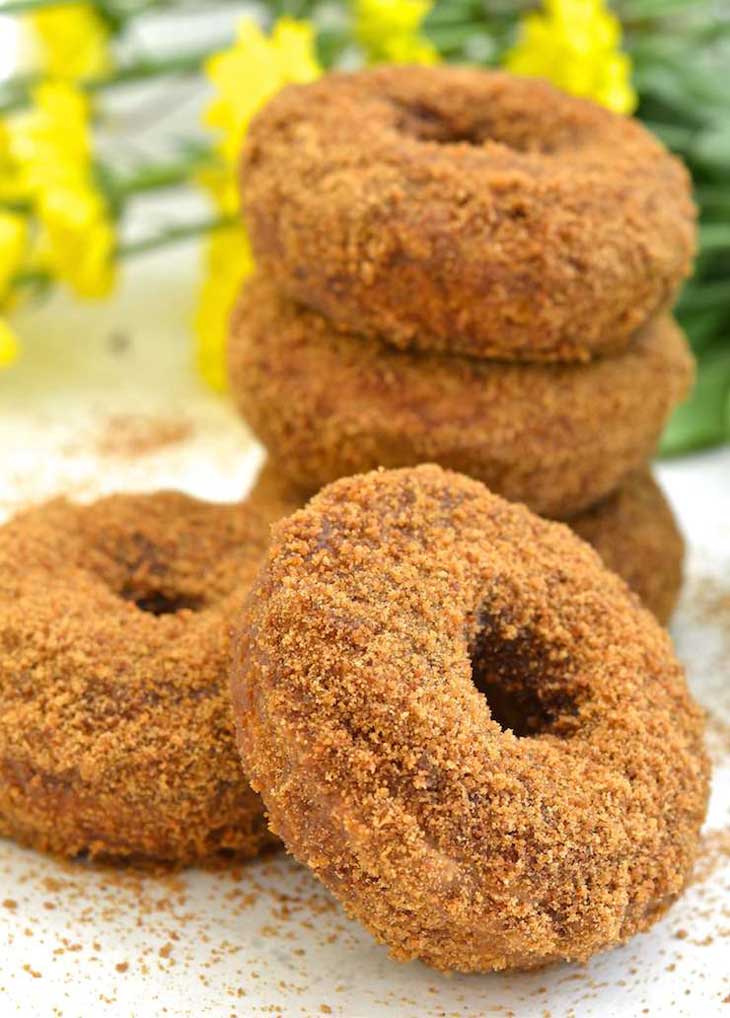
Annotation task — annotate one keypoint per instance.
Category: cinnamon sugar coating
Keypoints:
(633, 530)
(458, 209)
(116, 735)
(558, 437)
(635, 533)
(466, 726)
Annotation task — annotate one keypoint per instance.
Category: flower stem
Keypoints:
(173, 234)
(40, 279)
(15, 93)
(118, 188)
(154, 176)
(23, 6)
(143, 68)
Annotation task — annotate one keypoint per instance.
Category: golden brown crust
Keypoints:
(633, 530)
(380, 608)
(635, 533)
(466, 210)
(558, 437)
(116, 736)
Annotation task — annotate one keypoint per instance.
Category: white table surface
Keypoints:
(267, 940)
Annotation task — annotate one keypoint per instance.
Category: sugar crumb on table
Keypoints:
(128, 436)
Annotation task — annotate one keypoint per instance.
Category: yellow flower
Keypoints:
(221, 184)
(8, 344)
(11, 184)
(13, 232)
(228, 262)
(12, 245)
(576, 44)
(390, 31)
(81, 240)
(51, 145)
(74, 41)
(251, 72)
(50, 142)
(245, 77)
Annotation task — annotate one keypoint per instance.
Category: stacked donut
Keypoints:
(463, 267)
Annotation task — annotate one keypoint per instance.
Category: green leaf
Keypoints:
(702, 420)
(714, 199)
(630, 9)
(712, 146)
(703, 326)
(700, 294)
(676, 136)
(715, 236)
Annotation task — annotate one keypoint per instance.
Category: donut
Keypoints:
(116, 734)
(468, 211)
(558, 437)
(470, 731)
(273, 496)
(633, 530)
(635, 533)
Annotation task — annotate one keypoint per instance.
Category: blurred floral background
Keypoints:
(84, 85)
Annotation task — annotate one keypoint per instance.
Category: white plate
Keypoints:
(267, 939)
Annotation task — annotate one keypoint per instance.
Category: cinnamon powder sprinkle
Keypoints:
(129, 436)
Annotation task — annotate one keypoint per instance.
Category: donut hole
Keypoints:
(157, 577)
(519, 682)
(424, 123)
(427, 124)
(160, 602)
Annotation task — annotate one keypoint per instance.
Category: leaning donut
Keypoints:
(633, 530)
(466, 210)
(558, 437)
(116, 735)
(468, 728)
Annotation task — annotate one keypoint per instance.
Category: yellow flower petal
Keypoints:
(252, 71)
(390, 31)
(221, 184)
(228, 263)
(13, 236)
(575, 44)
(245, 77)
(74, 41)
(8, 344)
(11, 184)
(51, 146)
